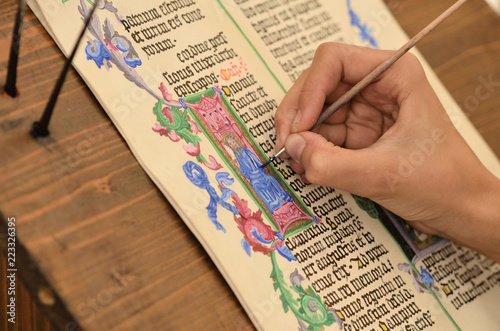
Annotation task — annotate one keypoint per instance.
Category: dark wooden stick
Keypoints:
(41, 128)
(10, 84)
(368, 79)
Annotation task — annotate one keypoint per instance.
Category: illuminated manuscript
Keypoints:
(193, 87)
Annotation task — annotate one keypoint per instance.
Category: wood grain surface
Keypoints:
(98, 246)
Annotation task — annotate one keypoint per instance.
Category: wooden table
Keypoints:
(87, 252)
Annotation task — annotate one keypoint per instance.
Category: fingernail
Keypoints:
(294, 145)
(296, 121)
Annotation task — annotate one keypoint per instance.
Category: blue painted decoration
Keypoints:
(364, 30)
(198, 177)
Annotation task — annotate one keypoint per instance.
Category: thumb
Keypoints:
(326, 164)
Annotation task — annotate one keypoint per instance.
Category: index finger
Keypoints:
(333, 63)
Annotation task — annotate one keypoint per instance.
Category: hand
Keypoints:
(393, 143)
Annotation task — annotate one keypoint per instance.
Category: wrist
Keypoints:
(477, 224)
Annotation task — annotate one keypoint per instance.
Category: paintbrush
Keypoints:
(372, 76)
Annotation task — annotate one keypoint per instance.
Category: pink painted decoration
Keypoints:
(160, 129)
(213, 165)
(194, 127)
(173, 136)
(164, 91)
(110, 45)
(191, 149)
(248, 222)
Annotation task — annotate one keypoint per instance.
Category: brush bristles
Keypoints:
(268, 162)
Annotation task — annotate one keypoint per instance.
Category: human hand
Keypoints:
(393, 143)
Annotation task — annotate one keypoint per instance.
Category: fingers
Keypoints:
(335, 69)
(287, 111)
(332, 64)
(321, 162)
(334, 133)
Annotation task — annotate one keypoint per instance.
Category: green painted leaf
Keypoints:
(179, 124)
(299, 289)
(285, 306)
